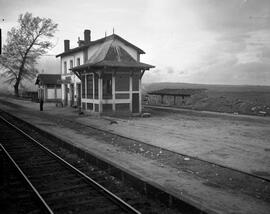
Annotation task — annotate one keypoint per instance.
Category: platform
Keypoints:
(188, 186)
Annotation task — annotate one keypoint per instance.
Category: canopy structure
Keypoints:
(187, 92)
(48, 79)
(49, 87)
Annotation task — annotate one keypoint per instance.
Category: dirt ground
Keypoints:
(240, 142)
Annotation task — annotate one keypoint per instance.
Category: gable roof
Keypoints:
(102, 40)
(48, 79)
(112, 54)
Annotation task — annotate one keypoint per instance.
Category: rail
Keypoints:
(103, 190)
(39, 197)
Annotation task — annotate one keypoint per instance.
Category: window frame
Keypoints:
(65, 67)
(71, 63)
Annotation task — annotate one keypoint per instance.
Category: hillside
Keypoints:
(242, 99)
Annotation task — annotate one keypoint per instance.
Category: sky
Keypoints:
(193, 41)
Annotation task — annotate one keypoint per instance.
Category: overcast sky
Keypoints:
(198, 41)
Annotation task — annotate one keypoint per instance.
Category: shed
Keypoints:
(49, 87)
(183, 93)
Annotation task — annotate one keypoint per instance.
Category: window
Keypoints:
(83, 86)
(89, 106)
(65, 67)
(107, 86)
(122, 82)
(96, 86)
(89, 83)
(78, 61)
(135, 82)
(71, 64)
(84, 106)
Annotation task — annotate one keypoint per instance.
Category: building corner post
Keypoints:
(100, 93)
(140, 96)
(113, 91)
(130, 92)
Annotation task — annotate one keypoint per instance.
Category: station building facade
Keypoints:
(70, 83)
(107, 75)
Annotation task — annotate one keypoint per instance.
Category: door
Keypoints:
(135, 103)
(71, 94)
(66, 95)
(78, 94)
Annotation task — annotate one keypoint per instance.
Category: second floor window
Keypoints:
(78, 61)
(71, 64)
(65, 67)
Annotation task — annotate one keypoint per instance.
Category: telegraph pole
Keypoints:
(1, 37)
(0, 41)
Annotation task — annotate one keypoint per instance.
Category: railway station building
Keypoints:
(109, 73)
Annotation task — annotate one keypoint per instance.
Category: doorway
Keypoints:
(66, 95)
(135, 103)
(71, 94)
(78, 94)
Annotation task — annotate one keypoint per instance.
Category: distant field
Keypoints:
(224, 98)
(218, 88)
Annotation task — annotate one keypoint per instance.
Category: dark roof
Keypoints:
(48, 79)
(177, 92)
(112, 54)
(133, 64)
(102, 40)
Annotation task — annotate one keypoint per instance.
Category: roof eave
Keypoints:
(73, 50)
(130, 44)
(81, 68)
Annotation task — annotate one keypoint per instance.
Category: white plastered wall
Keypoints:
(92, 50)
(74, 78)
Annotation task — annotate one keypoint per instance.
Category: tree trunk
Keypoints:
(18, 80)
(16, 88)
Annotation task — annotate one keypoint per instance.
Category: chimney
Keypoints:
(66, 45)
(87, 36)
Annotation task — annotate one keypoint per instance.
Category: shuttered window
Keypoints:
(83, 86)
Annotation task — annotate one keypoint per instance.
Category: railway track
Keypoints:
(15, 195)
(59, 186)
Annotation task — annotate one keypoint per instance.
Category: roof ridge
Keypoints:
(104, 39)
(118, 53)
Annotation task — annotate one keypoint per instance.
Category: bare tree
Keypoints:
(24, 46)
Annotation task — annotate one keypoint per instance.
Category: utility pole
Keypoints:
(0, 41)
(1, 37)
